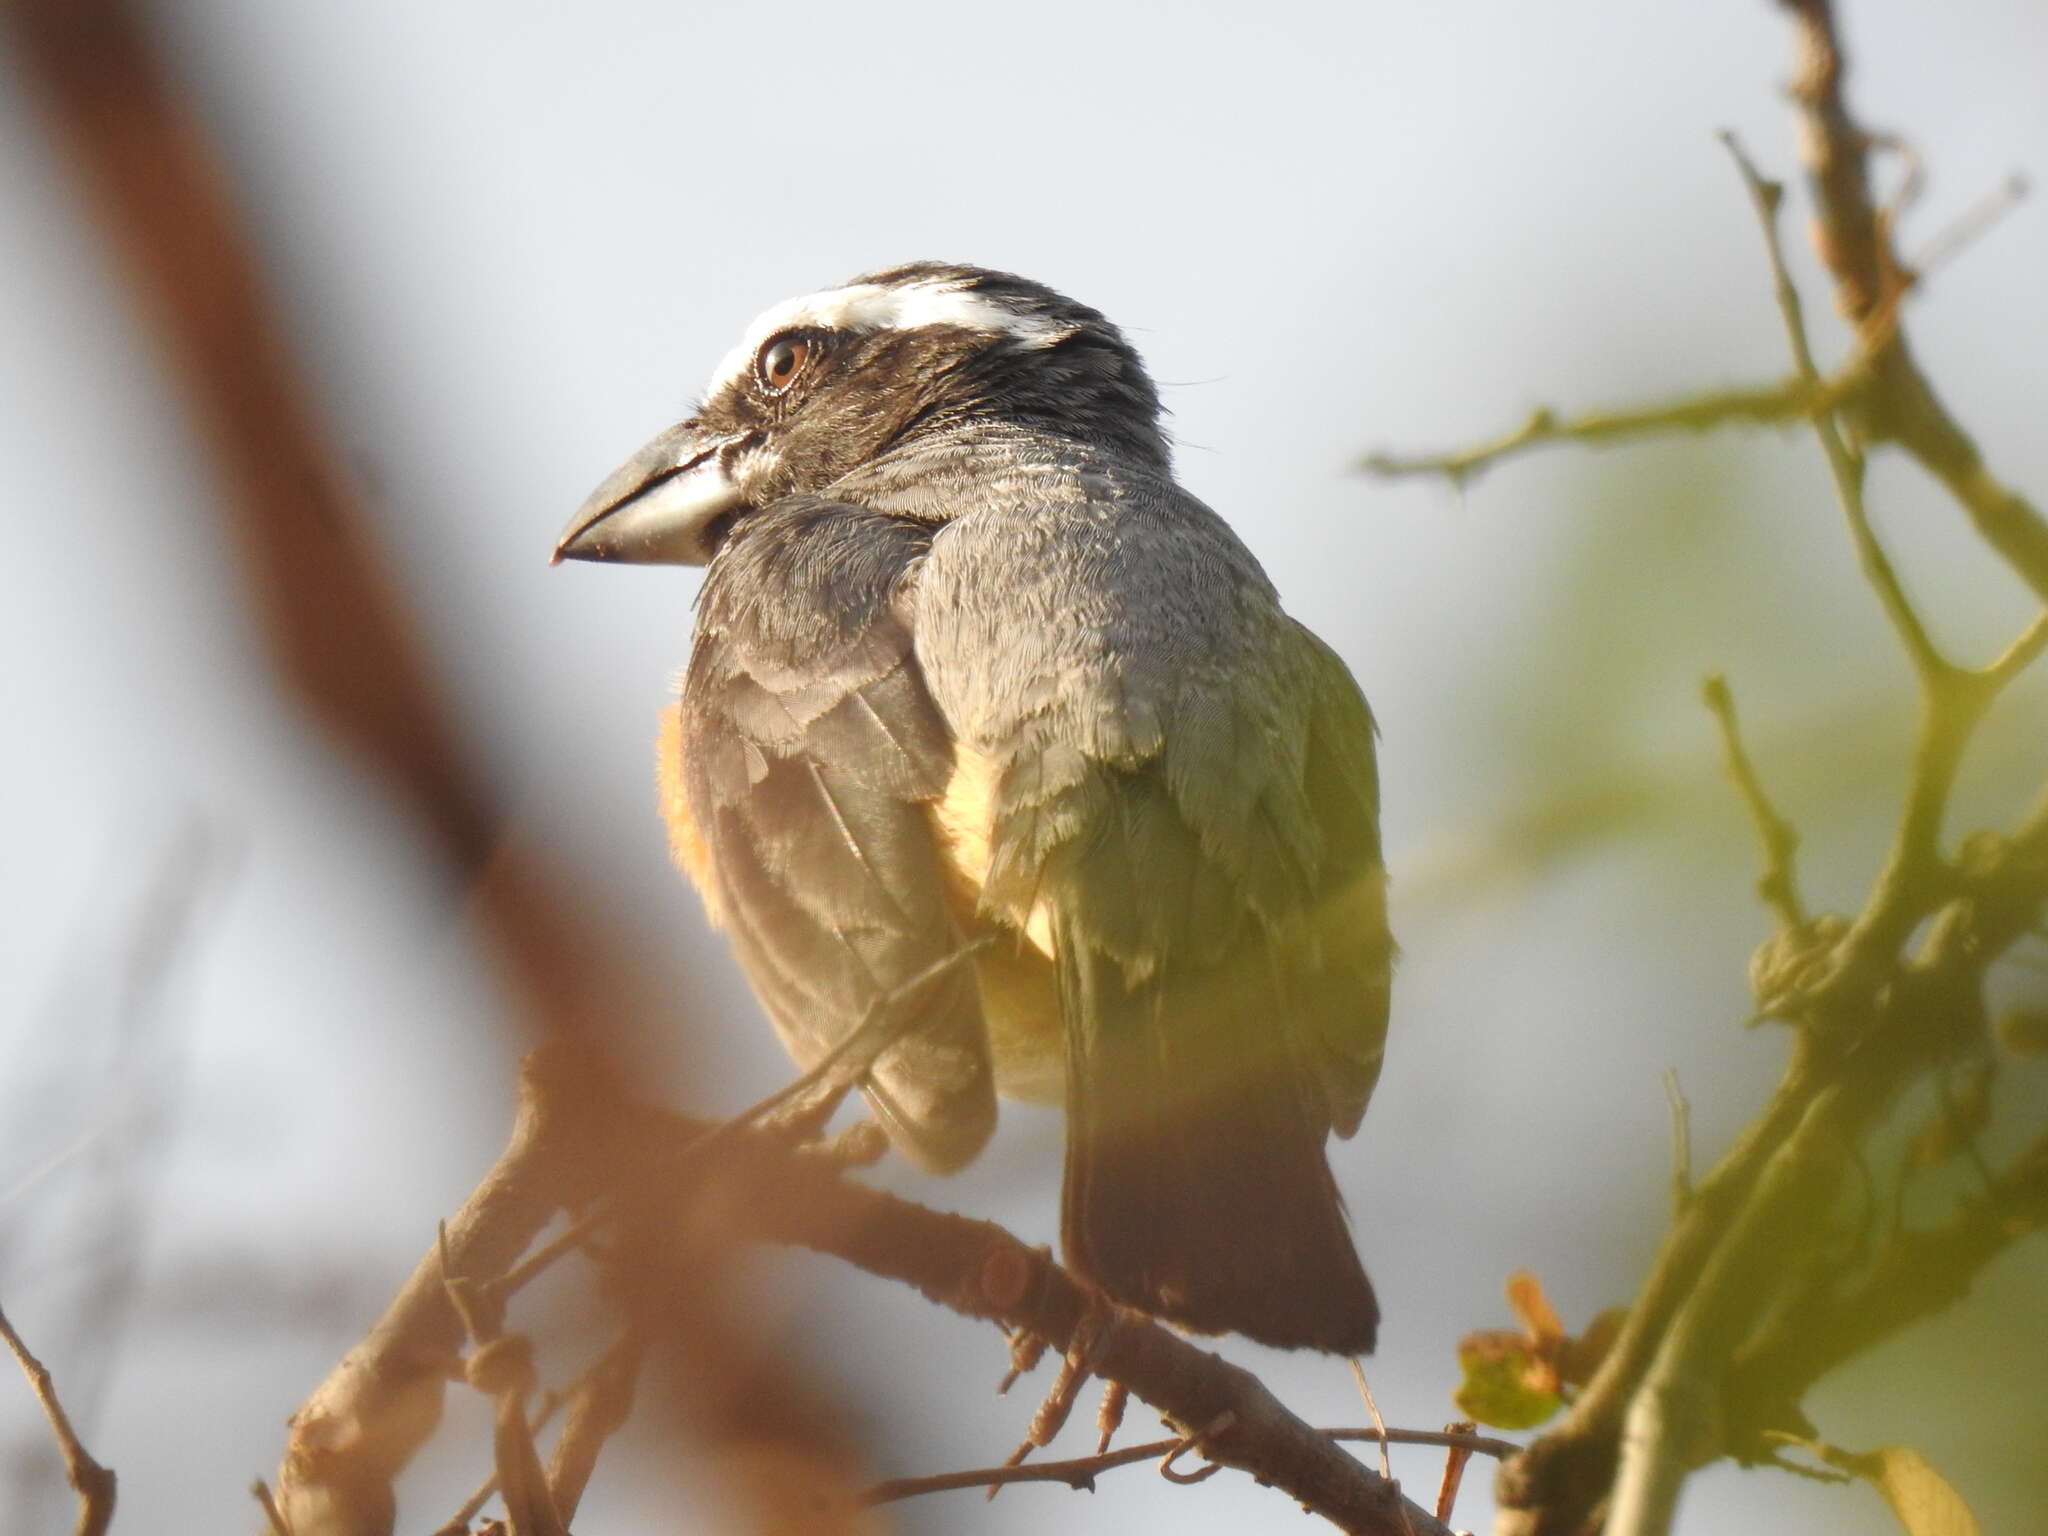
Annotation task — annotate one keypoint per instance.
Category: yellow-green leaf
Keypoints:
(1920, 1496)
(1506, 1385)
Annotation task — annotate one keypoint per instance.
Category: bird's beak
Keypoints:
(656, 508)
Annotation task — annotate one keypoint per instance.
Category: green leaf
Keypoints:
(1507, 1385)
(1920, 1496)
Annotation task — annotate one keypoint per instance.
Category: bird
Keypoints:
(973, 675)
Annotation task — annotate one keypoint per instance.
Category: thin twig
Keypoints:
(1081, 1471)
(1778, 885)
(1845, 464)
(1681, 1142)
(501, 1367)
(457, 1524)
(1768, 196)
(2018, 656)
(1455, 1459)
(809, 1098)
(1783, 404)
(364, 1422)
(598, 1404)
(1970, 226)
(93, 1483)
(1372, 1411)
(1902, 406)
(273, 1517)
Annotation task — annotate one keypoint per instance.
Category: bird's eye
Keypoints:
(781, 359)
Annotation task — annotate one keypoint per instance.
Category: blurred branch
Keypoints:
(1845, 463)
(1778, 885)
(1873, 1008)
(457, 1524)
(500, 1365)
(93, 1483)
(1883, 389)
(345, 648)
(598, 1404)
(1855, 243)
(1918, 1274)
(363, 1424)
(329, 609)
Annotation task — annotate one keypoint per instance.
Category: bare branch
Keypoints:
(501, 1367)
(361, 1425)
(1845, 464)
(457, 1524)
(978, 1269)
(93, 1483)
(1081, 1471)
(1455, 1459)
(1971, 227)
(598, 1405)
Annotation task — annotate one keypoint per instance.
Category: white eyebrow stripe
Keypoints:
(886, 307)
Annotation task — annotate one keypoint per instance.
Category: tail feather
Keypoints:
(1196, 1187)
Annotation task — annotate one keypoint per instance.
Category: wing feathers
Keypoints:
(810, 751)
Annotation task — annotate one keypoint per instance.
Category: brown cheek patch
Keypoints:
(685, 843)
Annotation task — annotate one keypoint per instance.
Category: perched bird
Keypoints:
(970, 666)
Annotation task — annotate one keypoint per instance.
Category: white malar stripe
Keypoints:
(886, 307)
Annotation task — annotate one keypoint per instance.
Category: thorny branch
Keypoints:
(93, 1483)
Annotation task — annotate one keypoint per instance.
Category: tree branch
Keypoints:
(978, 1269)
(1783, 404)
(1778, 885)
(93, 1483)
(364, 1423)
(1918, 1275)
(1080, 1472)
(1845, 464)
(1855, 243)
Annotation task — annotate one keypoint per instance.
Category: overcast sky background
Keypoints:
(514, 238)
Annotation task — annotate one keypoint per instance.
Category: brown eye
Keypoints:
(780, 361)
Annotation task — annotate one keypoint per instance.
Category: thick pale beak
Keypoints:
(656, 508)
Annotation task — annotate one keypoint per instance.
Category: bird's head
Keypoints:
(826, 384)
